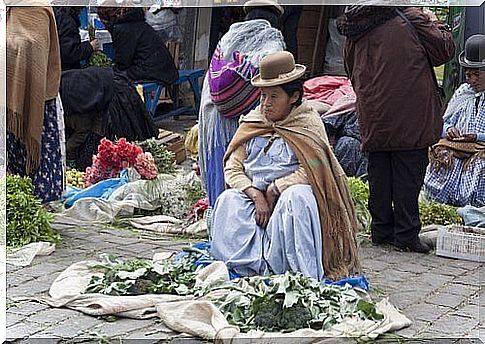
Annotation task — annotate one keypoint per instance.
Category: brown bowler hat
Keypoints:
(278, 69)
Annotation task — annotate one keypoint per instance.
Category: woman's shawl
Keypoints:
(462, 102)
(305, 133)
(33, 74)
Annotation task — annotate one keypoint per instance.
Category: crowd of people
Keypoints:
(274, 169)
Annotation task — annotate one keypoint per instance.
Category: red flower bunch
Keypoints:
(112, 158)
(145, 165)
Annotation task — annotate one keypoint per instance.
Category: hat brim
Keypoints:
(464, 63)
(277, 7)
(295, 74)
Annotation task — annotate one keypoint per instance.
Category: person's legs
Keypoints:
(408, 169)
(290, 28)
(80, 126)
(380, 198)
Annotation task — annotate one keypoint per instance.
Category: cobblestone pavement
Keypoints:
(441, 296)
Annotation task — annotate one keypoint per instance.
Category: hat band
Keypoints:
(473, 63)
(282, 75)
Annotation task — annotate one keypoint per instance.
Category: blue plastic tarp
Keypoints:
(356, 282)
(102, 189)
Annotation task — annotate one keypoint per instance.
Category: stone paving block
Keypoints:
(75, 327)
(53, 315)
(30, 288)
(22, 330)
(14, 279)
(412, 267)
(406, 298)
(120, 327)
(435, 280)
(447, 300)
(26, 308)
(463, 290)
(469, 311)
(13, 319)
(470, 278)
(454, 271)
(120, 241)
(425, 312)
(453, 325)
(38, 270)
(141, 249)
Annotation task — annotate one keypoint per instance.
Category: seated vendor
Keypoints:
(73, 51)
(288, 207)
(139, 52)
(456, 173)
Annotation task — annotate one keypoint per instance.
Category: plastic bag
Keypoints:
(472, 216)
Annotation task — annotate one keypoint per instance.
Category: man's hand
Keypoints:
(262, 209)
(272, 195)
(453, 133)
(95, 44)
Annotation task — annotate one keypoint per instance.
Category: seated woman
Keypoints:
(288, 207)
(139, 52)
(456, 171)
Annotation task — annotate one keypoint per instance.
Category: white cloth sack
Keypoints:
(199, 317)
(23, 256)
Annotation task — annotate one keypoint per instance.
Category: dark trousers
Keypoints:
(395, 180)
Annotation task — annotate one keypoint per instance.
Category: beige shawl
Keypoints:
(303, 130)
(33, 74)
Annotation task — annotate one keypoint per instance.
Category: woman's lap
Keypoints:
(291, 241)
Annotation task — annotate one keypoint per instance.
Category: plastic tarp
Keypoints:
(327, 89)
(472, 216)
(200, 317)
(164, 191)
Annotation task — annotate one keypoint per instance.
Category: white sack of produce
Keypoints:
(202, 314)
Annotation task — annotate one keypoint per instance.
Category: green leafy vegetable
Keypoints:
(360, 195)
(27, 221)
(99, 59)
(432, 213)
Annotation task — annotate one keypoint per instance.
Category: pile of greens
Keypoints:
(99, 59)
(164, 159)
(432, 213)
(360, 195)
(141, 276)
(290, 302)
(27, 221)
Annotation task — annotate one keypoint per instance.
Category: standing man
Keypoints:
(389, 54)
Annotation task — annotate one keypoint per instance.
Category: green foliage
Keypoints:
(432, 213)
(360, 195)
(27, 221)
(142, 276)
(99, 59)
(194, 192)
(164, 159)
(289, 302)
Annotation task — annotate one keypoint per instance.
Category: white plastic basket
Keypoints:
(461, 242)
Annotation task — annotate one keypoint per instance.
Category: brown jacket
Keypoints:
(398, 103)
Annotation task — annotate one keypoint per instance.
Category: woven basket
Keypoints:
(461, 242)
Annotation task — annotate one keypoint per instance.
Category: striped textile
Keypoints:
(230, 84)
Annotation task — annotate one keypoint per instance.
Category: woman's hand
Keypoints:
(263, 212)
(272, 195)
(468, 138)
(95, 44)
(453, 133)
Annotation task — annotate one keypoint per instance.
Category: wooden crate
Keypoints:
(174, 143)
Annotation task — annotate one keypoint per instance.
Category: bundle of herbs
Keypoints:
(115, 276)
(164, 159)
(284, 303)
(27, 220)
(432, 213)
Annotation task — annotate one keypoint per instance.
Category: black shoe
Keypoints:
(381, 241)
(416, 246)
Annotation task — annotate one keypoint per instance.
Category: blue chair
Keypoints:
(153, 90)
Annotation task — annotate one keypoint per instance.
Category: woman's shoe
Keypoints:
(416, 246)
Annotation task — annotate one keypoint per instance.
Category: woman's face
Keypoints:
(275, 103)
(476, 79)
